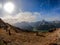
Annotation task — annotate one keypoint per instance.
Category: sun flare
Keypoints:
(9, 7)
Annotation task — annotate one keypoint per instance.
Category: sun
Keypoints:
(9, 7)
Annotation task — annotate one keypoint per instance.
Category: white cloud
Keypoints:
(22, 16)
(52, 18)
(26, 16)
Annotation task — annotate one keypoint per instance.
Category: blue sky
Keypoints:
(41, 9)
(28, 5)
(37, 5)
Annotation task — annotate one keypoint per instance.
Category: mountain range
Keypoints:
(39, 25)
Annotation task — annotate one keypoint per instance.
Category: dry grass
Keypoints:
(25, 38)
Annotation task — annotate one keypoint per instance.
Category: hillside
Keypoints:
(10, 35)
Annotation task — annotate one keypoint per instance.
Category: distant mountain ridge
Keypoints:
(37, 25)
(32, 26)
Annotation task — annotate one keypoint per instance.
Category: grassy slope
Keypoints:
(28, 38)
